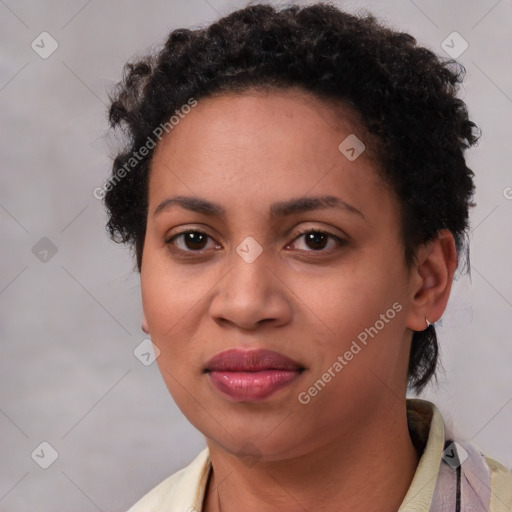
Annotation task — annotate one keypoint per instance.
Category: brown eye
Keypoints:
(316, 240)
(189, 241)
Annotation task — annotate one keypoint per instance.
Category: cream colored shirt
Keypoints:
(184, 491)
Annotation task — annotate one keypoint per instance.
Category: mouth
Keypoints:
(251, 376)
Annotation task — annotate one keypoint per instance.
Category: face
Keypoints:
(244, 263)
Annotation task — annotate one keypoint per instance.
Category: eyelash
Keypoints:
(189, 253)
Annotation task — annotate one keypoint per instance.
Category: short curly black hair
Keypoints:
(405, 95)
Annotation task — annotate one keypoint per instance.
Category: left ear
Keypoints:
(431, 280)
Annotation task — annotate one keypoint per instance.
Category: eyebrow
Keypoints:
(277, 210)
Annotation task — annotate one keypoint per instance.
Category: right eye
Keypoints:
(189, 241)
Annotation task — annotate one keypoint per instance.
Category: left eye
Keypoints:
(316, 240)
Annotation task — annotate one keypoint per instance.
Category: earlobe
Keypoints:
(432, 280)
(145, 326)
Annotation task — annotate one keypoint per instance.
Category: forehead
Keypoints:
(268, 116)
(270, 145)
(292, 111)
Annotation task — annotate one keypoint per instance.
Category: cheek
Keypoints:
(361, 314)
(347, 299)
(166, 311)
(166, 293)
(171, 301)
(162, 309)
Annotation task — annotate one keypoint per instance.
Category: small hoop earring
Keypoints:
(428, 323)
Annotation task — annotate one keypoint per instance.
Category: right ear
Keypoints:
(145, 326)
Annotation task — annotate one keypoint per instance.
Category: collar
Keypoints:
(185, 490)
(421, 491)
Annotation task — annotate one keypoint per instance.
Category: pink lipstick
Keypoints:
(251, 376)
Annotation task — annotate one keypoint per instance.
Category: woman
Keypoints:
(296, 193)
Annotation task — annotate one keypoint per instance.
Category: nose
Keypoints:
(250, 294)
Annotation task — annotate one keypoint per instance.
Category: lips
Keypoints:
(251, 376)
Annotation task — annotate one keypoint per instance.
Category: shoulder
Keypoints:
(464, 471)
(161, 493)
(183, 491)
(501, 485)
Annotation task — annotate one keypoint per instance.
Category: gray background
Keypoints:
(69, 325)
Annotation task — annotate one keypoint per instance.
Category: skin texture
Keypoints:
(245, 152)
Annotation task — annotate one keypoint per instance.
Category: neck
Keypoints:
(370, 471)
